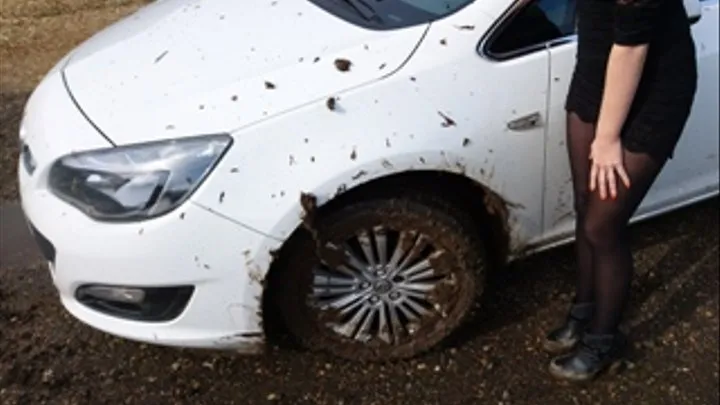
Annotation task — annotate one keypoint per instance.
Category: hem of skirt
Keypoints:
(585, 116)
(660, 155)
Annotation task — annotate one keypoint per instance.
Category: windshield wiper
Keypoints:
(363, 9)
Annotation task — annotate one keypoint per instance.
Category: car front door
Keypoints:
(529, 30)
(550, 26)
(498, 98)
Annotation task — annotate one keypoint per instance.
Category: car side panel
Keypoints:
(447, 109)
(694, 169)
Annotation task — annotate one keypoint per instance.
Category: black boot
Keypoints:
(594, 354)
(566, 336)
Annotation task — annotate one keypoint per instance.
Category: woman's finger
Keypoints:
(593, 176)
(602, 182)
(612, 182)
(623, 175)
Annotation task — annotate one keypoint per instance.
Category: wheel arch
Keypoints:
(489, 211)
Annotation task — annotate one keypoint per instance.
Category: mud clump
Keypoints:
(447, 121)
(342, 65)
(341, 189)
(326, 251)
(331, 103)
(308, 202)
(255, 275)
(270, 85)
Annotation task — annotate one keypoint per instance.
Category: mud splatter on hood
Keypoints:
(182, 67)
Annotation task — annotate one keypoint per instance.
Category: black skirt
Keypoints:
(666, 91)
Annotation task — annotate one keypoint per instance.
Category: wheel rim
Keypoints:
(387, 287)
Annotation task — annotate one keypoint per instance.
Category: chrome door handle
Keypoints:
(526, 122)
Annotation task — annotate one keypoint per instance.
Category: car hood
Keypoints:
(188, 67)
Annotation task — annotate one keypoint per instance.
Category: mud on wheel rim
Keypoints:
(387, 288)
(382, 279)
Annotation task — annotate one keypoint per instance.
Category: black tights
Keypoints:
(604, 260)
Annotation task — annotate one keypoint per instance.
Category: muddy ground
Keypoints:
(46, 357)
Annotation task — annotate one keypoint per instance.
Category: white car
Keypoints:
(357, 165)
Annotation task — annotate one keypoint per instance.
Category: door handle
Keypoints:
(526, 122)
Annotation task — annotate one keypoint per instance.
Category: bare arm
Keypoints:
(635, 24)
(624, 70)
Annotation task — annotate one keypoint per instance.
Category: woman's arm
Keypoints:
(624, 70)
(635, 25)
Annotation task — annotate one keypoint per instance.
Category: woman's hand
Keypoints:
(607, 164)
(624, 69)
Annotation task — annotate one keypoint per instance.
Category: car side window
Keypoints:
(532, 26)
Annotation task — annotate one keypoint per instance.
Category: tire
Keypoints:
(443, 295)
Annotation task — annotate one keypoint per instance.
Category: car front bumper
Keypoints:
(190, 246)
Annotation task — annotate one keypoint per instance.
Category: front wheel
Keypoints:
(382, 279)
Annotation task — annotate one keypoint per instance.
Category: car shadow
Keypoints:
(546, 280)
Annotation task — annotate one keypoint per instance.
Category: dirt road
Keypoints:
(46, 357)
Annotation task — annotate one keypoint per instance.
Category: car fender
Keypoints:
(334, 145)
(441, 161)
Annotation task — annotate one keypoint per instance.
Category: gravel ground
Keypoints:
(47, 357)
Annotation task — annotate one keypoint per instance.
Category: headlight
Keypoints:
(136, 182)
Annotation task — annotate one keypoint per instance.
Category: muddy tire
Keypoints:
(381, 279)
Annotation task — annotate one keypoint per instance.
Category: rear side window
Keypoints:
(532, 27)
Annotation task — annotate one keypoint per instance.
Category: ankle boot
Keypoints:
(593, 355)
(566, 336)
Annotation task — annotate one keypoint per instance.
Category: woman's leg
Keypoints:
(605, 228)
(580, 135)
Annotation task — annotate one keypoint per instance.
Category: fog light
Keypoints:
(140, 303)
(114, 294)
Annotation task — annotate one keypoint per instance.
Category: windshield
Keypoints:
(390, 14)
